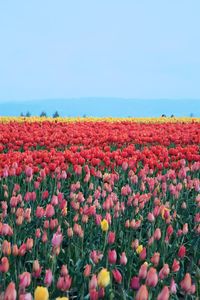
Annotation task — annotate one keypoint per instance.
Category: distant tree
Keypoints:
(28, 114)
(21, 115)
(172, 116)
(43, 114)
(163, 116)
(56, 114)
(84, 116)
(191, 115)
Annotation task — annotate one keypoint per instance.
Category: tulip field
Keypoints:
(99, 208)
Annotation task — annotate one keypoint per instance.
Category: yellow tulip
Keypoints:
(104, 225)
(103, 278)
(139, 249)
(62, 298)
(41, 293)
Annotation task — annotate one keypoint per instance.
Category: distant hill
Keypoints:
(100, 107)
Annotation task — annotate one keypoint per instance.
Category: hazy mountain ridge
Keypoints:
(100, 107)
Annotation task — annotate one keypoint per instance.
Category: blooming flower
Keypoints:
(103, 278)
(41, 293)
(139, 249)
(104, 225)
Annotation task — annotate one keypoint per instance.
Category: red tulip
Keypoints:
(135, 283)
(87, 270)
(93, 294)
(112, 256)
(181, 251)
(111, 237)
(117, 276)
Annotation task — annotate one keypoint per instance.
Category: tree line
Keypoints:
(43, 114)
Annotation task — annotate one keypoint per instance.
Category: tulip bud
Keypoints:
(25, 279)
(143, 271)
(152, 277)
(87, 270)
(93, 282)
(142, 293)
(123, 259)
(112, 256)
(155, 259)
(48, 277)
(10, 293)
(181, 251)
(111, 237)
(117, 276)
(157, 234)
(186, 283)
(135, 283)
(173, 288)
(164, 294)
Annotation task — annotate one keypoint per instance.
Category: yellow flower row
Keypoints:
(96, 119)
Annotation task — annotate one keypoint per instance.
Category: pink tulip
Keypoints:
(26, 296)
(173, 287)
(10, 293)
(87, 270)
(157, 234)
(57, 239)
(164, 272)
(143, 271)
(152, 277)
(123, 259)
(175, 265)
(186, 283)
(142, 293)
(64, 283)
(93, 282)
(164, 294)
(25, 279)
(155, 259)
(48, 277)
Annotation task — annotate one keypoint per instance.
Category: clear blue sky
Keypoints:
(105, 48)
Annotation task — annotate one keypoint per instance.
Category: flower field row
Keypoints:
(16, 136)
(99, 210)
